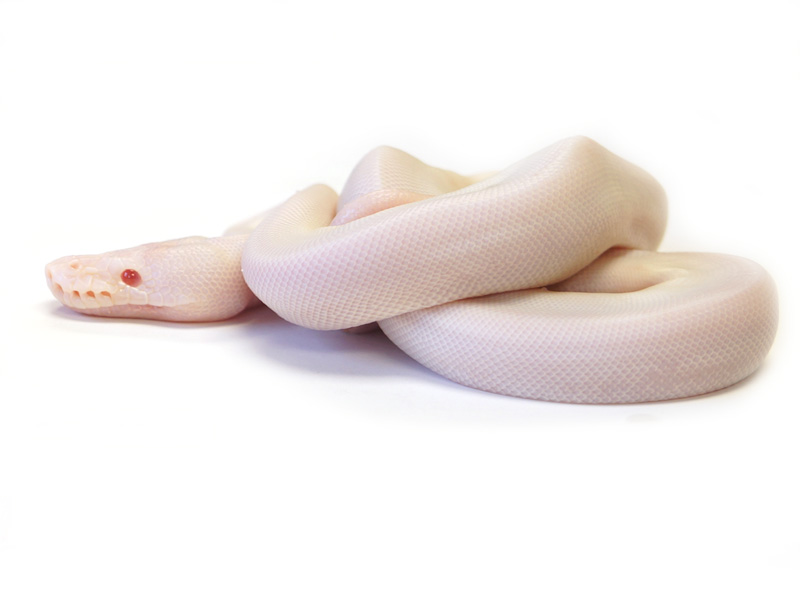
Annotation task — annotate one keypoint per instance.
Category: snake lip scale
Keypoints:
(541, 280)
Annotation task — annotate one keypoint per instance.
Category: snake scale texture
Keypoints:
(538, 281)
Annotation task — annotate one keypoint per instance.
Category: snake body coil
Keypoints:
(539, 281)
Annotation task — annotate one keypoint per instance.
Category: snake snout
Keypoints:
(77, 285)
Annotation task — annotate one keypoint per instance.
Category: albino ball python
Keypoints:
(538, 281)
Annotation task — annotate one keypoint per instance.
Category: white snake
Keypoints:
(539, 281)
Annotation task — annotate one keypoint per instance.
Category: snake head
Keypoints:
(187, 279)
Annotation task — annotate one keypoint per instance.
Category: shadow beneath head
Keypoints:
(270, 336)
(60, 311)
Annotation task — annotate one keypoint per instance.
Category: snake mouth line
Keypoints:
(108, 303)
(78, 299)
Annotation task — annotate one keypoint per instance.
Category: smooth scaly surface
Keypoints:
(533, 224)
(631, 327)
(435, 258)
(188, 279)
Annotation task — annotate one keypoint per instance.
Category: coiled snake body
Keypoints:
(539, 281)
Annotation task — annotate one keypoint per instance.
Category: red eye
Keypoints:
(131, 277)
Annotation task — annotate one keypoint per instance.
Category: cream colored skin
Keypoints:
(188, 279)
(533, 224)
(633, 326)
(435, 257)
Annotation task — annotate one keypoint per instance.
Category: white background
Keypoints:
(253, 459)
